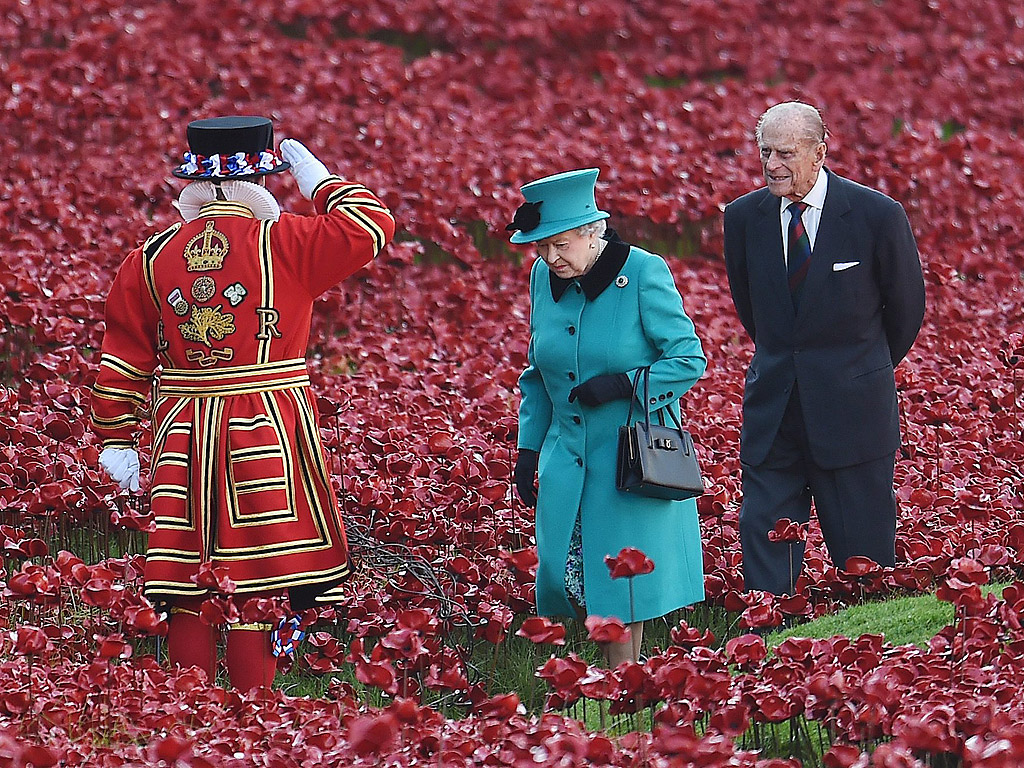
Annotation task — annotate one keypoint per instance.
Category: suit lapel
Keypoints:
(829, 244)
(772, 279)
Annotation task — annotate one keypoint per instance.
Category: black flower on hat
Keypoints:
(527, 217)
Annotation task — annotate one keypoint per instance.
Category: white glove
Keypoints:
(307, 170)
(122, 464)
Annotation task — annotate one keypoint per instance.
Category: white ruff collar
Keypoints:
(254, 196)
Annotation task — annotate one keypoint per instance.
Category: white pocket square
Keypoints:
(839, 266)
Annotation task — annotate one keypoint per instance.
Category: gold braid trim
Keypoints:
(254, 627)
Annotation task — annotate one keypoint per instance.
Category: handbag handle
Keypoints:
(645, 373)
(633, 399)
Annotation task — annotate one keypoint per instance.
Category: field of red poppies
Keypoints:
(444, 108)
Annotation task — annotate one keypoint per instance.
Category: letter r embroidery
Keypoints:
(268, 323)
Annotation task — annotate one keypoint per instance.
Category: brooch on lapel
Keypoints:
(621, 281)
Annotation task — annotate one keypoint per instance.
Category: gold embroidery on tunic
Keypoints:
(161, 341)
(205, 361)
(206, 250)
(208, 322)
(203, 288)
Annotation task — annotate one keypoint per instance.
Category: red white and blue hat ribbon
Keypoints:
(229, 166)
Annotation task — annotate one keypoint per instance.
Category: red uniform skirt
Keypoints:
(240, 481)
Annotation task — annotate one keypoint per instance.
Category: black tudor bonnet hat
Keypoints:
(232, 147)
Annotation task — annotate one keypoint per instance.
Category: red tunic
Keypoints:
(213, 316)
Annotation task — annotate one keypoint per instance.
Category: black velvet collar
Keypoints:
(601, 275)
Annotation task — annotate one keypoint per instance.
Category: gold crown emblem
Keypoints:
(206, 250)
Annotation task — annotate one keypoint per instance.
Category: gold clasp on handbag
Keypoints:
(665, 444)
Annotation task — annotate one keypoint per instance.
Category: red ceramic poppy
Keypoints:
(788, 531)
(539, 629)
(628, 563)
(602, 629)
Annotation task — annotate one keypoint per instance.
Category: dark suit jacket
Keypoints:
(860, 310)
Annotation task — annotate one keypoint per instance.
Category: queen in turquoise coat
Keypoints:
(600, 310)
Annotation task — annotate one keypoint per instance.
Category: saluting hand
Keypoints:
(307, 170)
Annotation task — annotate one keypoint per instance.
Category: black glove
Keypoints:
(524, 474)
(602, 389)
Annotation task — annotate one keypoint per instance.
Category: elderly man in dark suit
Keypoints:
(826, 279)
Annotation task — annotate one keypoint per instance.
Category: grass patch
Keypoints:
(902, 621)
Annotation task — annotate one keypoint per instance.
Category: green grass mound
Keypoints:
(903, 620)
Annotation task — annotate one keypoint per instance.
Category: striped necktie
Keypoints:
(799, 256)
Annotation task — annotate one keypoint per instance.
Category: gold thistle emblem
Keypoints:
(208, 322)
(206, 250)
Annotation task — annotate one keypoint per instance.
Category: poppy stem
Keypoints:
(337, 446)
(514, 506)
(1013, 380)
(31, 688)
(792, 585)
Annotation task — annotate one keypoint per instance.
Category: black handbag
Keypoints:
(656, 460)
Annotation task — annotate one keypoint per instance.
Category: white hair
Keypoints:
(599, 227)
(808, 118)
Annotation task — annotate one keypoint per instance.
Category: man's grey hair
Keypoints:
(807, 117)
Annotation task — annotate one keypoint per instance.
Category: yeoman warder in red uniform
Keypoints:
(209, 322)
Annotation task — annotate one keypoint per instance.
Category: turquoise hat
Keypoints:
(556, 204)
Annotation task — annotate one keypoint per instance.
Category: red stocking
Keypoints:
(190, 641)
(251, 662)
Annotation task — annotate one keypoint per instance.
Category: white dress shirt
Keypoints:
(815, 200)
